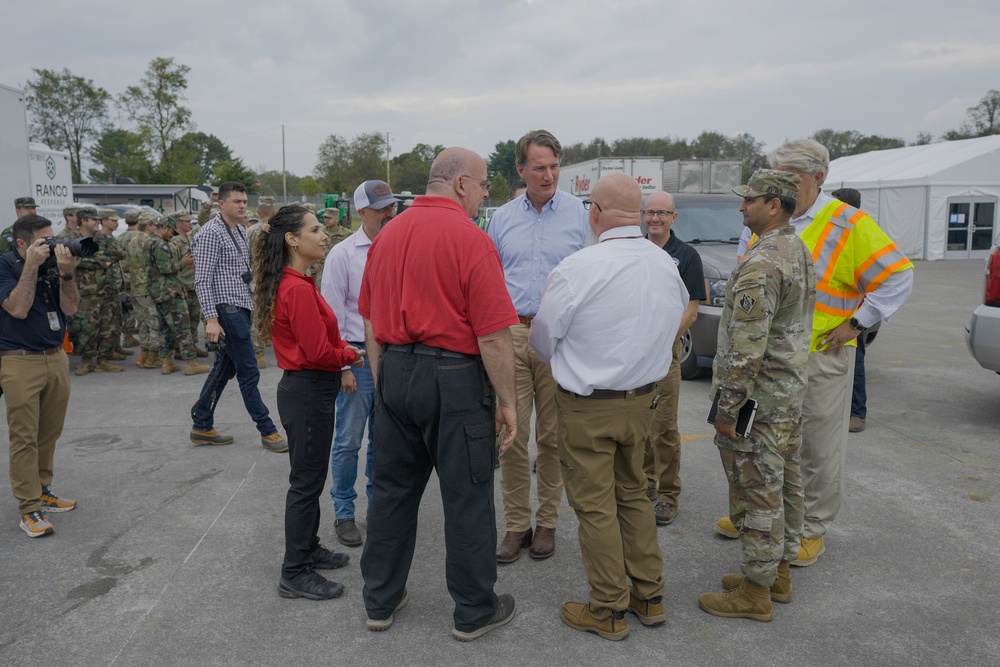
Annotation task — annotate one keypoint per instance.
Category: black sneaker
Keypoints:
(311, 586)
(347, 532)
(502, 616)
(327, 559)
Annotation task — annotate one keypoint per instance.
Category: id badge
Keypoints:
(53, 320)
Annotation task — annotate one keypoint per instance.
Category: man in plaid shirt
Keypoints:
(222, 282)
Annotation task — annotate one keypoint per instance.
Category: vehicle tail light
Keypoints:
(992, 296)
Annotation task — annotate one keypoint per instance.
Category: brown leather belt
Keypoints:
(526, 321)
(613, 393)
(31, 353)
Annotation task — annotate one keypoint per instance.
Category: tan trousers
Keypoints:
(36, 389)
(535, 391)
(826, 413)
(662, 461)
(601, 449)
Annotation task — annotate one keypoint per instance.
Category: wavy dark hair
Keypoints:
(270, 257)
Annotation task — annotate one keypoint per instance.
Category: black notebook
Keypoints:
(745, 420)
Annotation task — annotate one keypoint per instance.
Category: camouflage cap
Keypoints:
(149, 219)
(266, 201)
(25, 202)
(182, 215)
(87, 212)
(72, 209)
(132, 216)
(332, 212)
(168, 221)
(783, 184)
(253, 218)
(309, 207)
(108, 214)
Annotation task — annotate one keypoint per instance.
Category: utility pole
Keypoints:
(284, 179)
(389, 183)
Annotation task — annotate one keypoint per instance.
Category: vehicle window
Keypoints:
(709, 221)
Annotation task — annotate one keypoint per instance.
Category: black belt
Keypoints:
(429, 350)
(351, 342)
(613, 393)
(31, 353)
(312, 374)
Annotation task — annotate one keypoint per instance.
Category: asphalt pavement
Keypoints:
(172, 556)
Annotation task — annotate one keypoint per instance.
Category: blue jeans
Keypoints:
(859, 398)
(354, 411)
(239, 361)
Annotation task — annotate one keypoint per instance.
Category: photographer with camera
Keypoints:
(222, 280)
(37, 293)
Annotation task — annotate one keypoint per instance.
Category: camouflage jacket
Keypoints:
(164, 272)
(68, 233)
(333, 237)
(112, 253)
(182, 246)
(137, 257)
(6, 240)
(765, 328)
(204, 213)
(91, 272)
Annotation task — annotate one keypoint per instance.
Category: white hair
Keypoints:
(806, 155)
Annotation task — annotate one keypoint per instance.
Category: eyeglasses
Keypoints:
(657, 214)
(588, 202)
(485, 185)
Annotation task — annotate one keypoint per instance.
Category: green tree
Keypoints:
(156, 103)
(503, 160)
(984, 118)
(712, 145)
(271, 183)
(923, 138)
(119, 154)
(66, 112)
(206, 151)
(838, 142)
(410, 171)
(747, 149)
(874, 142)
(341, 166)
(309, 187)
(499, 190)
(235, 170)
(331, 164)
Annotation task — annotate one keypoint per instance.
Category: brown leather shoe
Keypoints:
(509, 550)
(544, 544)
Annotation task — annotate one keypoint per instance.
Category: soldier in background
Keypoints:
(22, 206)
(335, 233)
(112, 308)
(130, 325)
(764, 337)
(182, 245)
(90, 277)
(138, 256)
(205, 212)
(167, 291)
(69, 216)
(265, 211)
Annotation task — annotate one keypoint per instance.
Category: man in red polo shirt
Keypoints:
(433, 294)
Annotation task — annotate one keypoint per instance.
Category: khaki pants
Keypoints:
(662, 461)
(36, 388)
(535, 388)
(601, 449)
(826, 413)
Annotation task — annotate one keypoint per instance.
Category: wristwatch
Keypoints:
(857, 325)
(67, 277)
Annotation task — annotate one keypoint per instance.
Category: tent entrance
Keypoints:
(972, 222)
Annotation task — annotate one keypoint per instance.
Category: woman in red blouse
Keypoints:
(307, 345)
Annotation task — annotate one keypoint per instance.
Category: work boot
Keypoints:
(117, 356)
(649, 612)
(130, 341)
(578, 616)
(152, 360)
(509, 549)
(103, 366)
(169, 366)
(748, 600)
(261, 362)
(856, 425)
(200, 352)
(810, 549)
(122, 350)
(192, 367)
(781, 589)
(85, 367)
(725, 527)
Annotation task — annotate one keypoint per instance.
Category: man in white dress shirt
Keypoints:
(341, 284)
(606, 323)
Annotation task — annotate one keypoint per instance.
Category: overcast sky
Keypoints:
(472, 73)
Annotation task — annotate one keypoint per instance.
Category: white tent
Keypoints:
(938, 201)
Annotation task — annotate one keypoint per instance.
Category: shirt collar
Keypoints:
(821, 200)
(361, 239)
(552, 204)
(289, 271)
(629, 231)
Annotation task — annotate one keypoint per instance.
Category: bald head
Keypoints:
(458, 174)
(659, 216)
(618, 200)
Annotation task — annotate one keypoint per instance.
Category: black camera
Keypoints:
(80, 247)
(218, 347)
(247, 277)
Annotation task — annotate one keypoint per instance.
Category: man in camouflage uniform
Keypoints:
(112, 311)
(91, 277)
(258, 224)
(131, 325)
(182, 245)
(72, 228)
(205, 212)
(138, 256)
(335, 233)
(22, 206)
(167, 291)
(763, 348)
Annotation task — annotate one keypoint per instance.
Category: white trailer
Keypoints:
(579, 179)
(702, 176)
(51, 182)
(14, 172)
